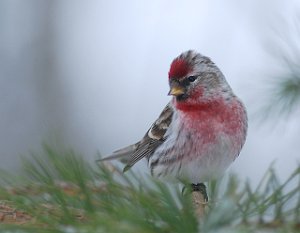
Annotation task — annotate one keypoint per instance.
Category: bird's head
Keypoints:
(193, 76)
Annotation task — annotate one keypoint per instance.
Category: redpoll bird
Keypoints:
(201, 130)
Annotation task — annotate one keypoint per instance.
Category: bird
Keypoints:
(199, 133)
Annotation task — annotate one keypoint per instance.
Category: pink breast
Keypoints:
(212, 119)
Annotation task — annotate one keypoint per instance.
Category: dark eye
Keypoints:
(192, 78)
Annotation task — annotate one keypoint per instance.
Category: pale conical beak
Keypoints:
(176, 91)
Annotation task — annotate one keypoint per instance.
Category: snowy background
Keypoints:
(92, 75)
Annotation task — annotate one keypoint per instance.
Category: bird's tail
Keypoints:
(123, 154)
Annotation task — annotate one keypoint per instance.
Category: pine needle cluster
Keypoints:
(61, 192)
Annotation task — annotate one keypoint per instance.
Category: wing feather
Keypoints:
(154, 137)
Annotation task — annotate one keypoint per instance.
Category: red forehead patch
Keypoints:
(179, 68)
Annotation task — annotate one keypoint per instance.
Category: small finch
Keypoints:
(201, 130)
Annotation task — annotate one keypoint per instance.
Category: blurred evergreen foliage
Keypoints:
(60, 192)
(284, 88)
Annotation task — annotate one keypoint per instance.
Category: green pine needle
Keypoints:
(61, 192)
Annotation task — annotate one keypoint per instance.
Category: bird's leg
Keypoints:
(200, 187)
(200, 199)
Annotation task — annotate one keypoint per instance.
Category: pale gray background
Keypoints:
(93, 74)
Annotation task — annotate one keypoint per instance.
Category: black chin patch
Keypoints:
(181, 97)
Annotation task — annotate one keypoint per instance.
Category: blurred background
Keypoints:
(92, 75)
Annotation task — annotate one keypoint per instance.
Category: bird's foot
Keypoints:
(200, 187)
